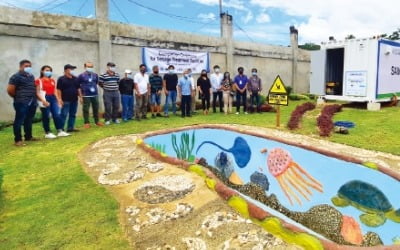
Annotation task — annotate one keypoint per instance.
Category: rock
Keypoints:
(260, 179)
(224, 164)
(194, 244)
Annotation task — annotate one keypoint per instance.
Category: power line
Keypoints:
(56, 6)
(119, 10)
(179, 17)
(240, 28)
(80, 8)
(10, 4)
(46, 4)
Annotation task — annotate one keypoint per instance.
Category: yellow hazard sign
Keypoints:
(277, 94)
(278, 87)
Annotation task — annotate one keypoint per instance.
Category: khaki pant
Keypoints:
(227, 101)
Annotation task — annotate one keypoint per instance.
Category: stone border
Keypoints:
(254, 211)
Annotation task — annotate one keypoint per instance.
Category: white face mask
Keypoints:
(112, 69)
(129, 76)
(90, 70)
(217, 70)
(74, 73)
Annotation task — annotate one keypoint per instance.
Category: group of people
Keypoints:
(59, 98)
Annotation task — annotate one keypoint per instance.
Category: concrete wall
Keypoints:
(57, 40)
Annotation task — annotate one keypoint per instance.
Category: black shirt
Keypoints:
(69, 88)
(204, 85)
(25, 89)
(126, 86)
(171, 81)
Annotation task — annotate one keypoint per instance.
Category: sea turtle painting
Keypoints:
(368, 199)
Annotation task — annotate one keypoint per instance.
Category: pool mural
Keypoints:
(334, 199)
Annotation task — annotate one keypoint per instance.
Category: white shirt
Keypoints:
(216, 80)
(142, 81)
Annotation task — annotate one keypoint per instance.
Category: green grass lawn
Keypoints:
(49, 202)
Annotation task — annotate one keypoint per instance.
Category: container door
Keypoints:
(317, 73)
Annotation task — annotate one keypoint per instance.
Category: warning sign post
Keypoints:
(278, 96)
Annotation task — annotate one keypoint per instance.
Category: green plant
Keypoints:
(298, 97)
(185, 149)
(159, 147)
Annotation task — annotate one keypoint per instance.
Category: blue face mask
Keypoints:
(28, 70)
(74, 73)
(90, 70)
(48, 73)
(171, 71)
(254, 73)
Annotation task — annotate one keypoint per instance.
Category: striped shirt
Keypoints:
(110, 82)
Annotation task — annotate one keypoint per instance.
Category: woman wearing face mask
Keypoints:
(227, 93)
(204, 87)
(49, 102)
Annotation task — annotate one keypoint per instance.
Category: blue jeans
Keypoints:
(55, 112)
(255, 100)
(127, 107)
(24, 113)
(170, 98)
(69, 109)
(155, 99)
(239, 97)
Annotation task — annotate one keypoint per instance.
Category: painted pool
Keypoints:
(306, 170)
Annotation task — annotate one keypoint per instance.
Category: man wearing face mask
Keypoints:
(169, 86)
(216, 80)
(88, 81)
(156, 84)
(126, 90)
(185, 93)
(254, 87)
(68, 89)
(241, 93)
(142, 92)
(111, 97)
(21, 87)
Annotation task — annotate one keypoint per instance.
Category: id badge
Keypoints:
(240, 82)
(92, 89)
(90, 79)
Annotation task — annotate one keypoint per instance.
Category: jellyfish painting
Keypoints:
(291, 176)
(240, 151)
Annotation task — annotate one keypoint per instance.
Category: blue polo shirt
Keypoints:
(241, 81)
(186, 86)
(88, 84)
(25, 89)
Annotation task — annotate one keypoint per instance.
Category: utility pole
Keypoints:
(220, 16)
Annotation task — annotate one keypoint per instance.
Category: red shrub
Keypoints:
(324, 120)
(298, 113)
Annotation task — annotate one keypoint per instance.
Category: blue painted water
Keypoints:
(331, 172)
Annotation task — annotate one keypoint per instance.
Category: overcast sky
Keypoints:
(265, 21)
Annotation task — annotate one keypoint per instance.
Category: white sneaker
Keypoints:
(117, 121)
(246, 113)
(50, 136)
(63, 134)
(107, 123)
(237, 113)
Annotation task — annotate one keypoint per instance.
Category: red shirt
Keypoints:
(48, 85)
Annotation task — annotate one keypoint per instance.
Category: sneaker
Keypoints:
(86, 125)
(107, 123)
(144, 117)
(137, 119)
(19, 144)
(153, 116)
(237, 113)
(166, 115)
(63, 134)
(117, 121)
(158, 115)
(99, 124)
(50, 136)
(246, 113)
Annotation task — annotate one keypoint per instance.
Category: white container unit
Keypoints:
(356, 70)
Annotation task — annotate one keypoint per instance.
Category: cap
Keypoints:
(69, 66)
(111, 64)
(128, 71)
